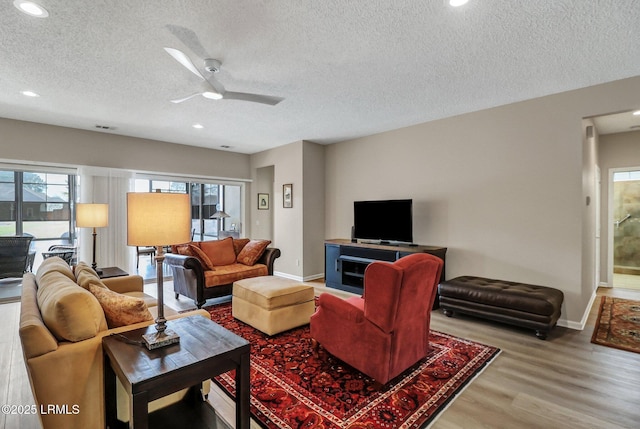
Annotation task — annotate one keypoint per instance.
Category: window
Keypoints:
(206, 200)
(36, 203)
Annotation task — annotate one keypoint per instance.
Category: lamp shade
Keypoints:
(92, 215)
(158, 219)
(219, 215)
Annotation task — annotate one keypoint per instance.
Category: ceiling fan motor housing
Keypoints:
(212, 66)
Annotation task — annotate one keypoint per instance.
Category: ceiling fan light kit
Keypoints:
(212, 89)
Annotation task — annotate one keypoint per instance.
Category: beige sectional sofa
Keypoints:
(61, 330)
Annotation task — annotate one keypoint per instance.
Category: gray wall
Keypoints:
(33, 142)
(504, 188)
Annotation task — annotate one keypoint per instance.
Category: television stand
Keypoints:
(345, 261)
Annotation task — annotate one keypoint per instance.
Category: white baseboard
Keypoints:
(298, 278)
(579, 326)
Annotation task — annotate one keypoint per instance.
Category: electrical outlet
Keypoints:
(297, 262)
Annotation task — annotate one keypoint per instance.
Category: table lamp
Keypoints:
(158, 219)
(89, 215)
(219, 214)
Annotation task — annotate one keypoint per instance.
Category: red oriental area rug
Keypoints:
(618, 324)
(290, 388)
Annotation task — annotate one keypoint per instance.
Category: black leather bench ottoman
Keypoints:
(528, 306)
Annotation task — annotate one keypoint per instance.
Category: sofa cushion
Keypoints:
(120, 310)
(228, 274)
(86, 275)
(220, 252)
(51, 265)
(239, 243)
(196, 252)
(252, 251)
(69, 312)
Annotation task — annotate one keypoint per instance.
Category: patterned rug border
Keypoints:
(445, 397)
(598, 328)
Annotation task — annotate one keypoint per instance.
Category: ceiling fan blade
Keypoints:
(255, 98)
(180, 100)
(189, 39)
(180, 57)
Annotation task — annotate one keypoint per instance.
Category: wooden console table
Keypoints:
(345, 261)
(205, 350)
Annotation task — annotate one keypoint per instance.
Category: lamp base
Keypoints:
(160, 339)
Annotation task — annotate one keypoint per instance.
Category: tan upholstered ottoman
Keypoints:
(272, 304)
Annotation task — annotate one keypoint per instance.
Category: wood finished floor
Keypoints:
(564, 382)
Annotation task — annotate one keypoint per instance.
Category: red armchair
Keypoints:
(385, 331)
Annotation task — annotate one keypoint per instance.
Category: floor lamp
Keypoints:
(158, 219)
(89, 215)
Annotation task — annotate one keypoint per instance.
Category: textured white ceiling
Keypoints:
(345, 68)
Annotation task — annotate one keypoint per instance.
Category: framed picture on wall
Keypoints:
(287, 196)
(263, 201)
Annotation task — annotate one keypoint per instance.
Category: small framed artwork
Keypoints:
(263, 201)
(287, 196)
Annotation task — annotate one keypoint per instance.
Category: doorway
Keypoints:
(625, 212)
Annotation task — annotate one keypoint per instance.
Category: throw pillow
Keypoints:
(239, 243)
(196, 252)
(252, 251)
(120, 310)
(220, 252)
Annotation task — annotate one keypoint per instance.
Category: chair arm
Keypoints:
(268, 258)
(124, 284)
(341, 308)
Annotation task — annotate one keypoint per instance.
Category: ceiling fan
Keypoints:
(211, 88)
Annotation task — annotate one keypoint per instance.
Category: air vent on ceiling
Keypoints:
(224, 146)
(105, 127)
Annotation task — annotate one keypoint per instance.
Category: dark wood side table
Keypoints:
(205, 350)
(108, 272)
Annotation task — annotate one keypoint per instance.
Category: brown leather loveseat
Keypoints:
(207, 269)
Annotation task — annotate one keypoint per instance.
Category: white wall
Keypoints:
(501, 188)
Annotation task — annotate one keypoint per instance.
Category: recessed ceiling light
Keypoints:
(636, 113)
(31, 8)
(29, 93)
(456, 3)
(198, 126)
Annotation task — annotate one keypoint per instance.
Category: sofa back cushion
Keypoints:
(252, 251)
(220, 252)
(85, 275)
(69, 312)
(54, 265)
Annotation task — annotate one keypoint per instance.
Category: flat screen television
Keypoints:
(384, 220)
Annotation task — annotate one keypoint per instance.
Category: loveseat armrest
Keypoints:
(268, 258)
(124, 284)
(184, 261)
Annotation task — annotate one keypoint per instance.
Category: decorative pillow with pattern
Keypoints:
(120, 310)
(252, 251)
(196, 252)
